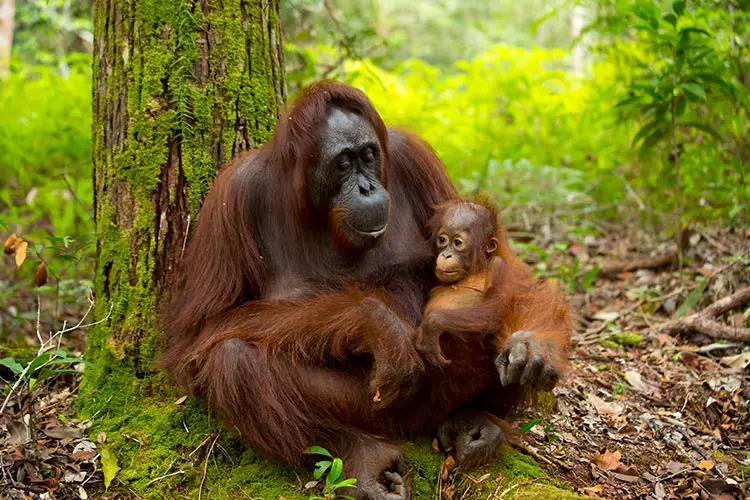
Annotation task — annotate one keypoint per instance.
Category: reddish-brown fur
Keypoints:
(470, 308)
(278, 327)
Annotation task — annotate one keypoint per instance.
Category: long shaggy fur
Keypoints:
(280, 329)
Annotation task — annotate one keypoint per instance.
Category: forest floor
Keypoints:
(656, 403)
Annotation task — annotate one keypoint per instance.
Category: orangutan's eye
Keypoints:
(344, 162)
(458, 242)
(368, 155)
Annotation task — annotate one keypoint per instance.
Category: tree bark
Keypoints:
(179, 88)
(7, 15)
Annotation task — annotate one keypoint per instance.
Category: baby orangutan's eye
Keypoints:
(442, 240)
(458, 242)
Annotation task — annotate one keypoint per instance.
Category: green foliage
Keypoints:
(691, 299)
(333, 470)
(46, 365)
(109, 465)
(45, 151)
(685, 63)
(53, 33)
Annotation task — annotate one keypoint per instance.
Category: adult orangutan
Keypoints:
(297, 298)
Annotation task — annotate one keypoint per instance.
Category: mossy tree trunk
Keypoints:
(180, 86)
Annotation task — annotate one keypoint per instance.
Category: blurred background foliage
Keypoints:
(625, 109)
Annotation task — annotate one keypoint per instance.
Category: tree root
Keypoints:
(705, 321)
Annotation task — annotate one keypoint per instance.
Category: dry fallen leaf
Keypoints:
(706, 464)
(608, 460)
(435, 446)
(40, 278)
(448, 465)
(740, 361)
(21, 253)
(10, 244)
(604, 407)
(594, 490)
(62, 432)
(636, 381)
(181, 400)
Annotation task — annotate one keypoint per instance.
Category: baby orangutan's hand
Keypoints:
(428, 342)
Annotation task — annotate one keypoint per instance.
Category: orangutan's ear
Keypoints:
(491, 246)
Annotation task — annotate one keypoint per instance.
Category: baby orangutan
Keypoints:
(466, 242)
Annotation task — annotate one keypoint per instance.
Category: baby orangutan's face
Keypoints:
(459, 253)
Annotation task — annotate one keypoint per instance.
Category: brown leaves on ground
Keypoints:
(643, 414)
(50, 457)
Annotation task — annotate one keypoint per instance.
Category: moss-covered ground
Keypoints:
(167, 447)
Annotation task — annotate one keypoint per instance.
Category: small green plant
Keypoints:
(550, 434)
(333, 469)
(530, 424)
(44, 366)
(619, 388)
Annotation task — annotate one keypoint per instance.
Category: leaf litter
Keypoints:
(640, 414)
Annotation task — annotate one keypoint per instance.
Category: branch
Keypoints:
(611, 269)
(705, 321)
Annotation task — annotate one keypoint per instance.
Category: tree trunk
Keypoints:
(180, 86)
(7, 14)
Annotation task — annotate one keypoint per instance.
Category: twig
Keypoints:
(129, 488)
(515, 486)
(100, 409)
(75, 196)
(675, 474)
(38, 319)
(44, 346)
(208, 438)
(205, 468)
(705, 322)
(164, 477)
(184, 241)
(525, 449)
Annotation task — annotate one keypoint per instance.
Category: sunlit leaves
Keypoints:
(693, 90)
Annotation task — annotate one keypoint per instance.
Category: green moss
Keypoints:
(153, 439)
(172, 96)
(22, 354)
(745, 469)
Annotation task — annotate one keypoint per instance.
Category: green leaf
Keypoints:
(679, 106)
(347, 483)
(692, 29)
(647, 129)
(671, 19)
(628, 101)
(713, 78)
(12, 364)
(337, 467)
(109, 466)
(691, 300)
(320, 468)
(678, 6)
(37, 362)
(318, 450)
(530, 424)
(651, 141)
(693, 89)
